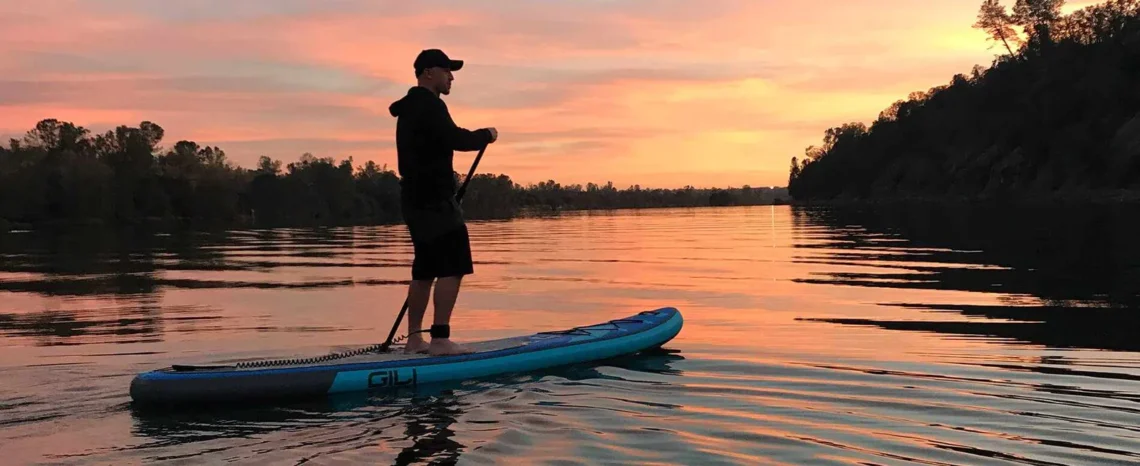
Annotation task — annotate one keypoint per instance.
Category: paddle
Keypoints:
(459, 197)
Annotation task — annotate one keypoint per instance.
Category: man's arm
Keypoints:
(456, 137)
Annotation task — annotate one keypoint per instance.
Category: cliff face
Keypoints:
(1058, 116)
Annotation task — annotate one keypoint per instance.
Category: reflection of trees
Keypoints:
(120, 268)
(133, 319)
(103, 285)
(1080, 264)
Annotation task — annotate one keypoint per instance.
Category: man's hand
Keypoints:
(494, 134)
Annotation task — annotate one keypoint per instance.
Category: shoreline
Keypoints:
(162, 224)
(167, 224)
(1037, 199)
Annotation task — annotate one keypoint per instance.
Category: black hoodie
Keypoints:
(426, 141)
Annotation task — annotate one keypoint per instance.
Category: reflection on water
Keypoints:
(932, 335)
(1066, 277)
(99, 286)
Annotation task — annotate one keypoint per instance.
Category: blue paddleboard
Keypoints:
(365, 371)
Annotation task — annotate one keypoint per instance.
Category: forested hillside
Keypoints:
(1058, 114)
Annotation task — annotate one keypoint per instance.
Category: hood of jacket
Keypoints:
(416, 96)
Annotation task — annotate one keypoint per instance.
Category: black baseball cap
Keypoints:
(435, 57)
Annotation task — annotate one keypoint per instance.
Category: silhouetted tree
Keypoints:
(993, 19)
(1037, 17)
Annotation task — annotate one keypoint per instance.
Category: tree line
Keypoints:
(1057, 114)
(61, 173)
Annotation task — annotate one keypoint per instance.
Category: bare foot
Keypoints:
(444, 346)
(415, 344)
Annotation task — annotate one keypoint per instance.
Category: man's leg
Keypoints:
(446, 292)
(455, 262)
(419, 290)
(418, 293)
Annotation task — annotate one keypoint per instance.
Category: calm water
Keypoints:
(931, 336)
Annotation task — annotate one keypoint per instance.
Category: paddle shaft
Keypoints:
(459, 197)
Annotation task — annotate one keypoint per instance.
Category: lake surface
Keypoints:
(935, 336)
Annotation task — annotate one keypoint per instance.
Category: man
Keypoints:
(426, 141)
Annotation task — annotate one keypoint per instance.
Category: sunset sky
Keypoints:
(662, 93)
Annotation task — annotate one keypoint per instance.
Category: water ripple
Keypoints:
(811, 337)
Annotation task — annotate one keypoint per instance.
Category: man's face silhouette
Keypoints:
(438, 79)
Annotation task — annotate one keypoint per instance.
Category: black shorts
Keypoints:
(439, 239)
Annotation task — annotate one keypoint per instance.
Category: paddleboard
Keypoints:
(365, 370)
